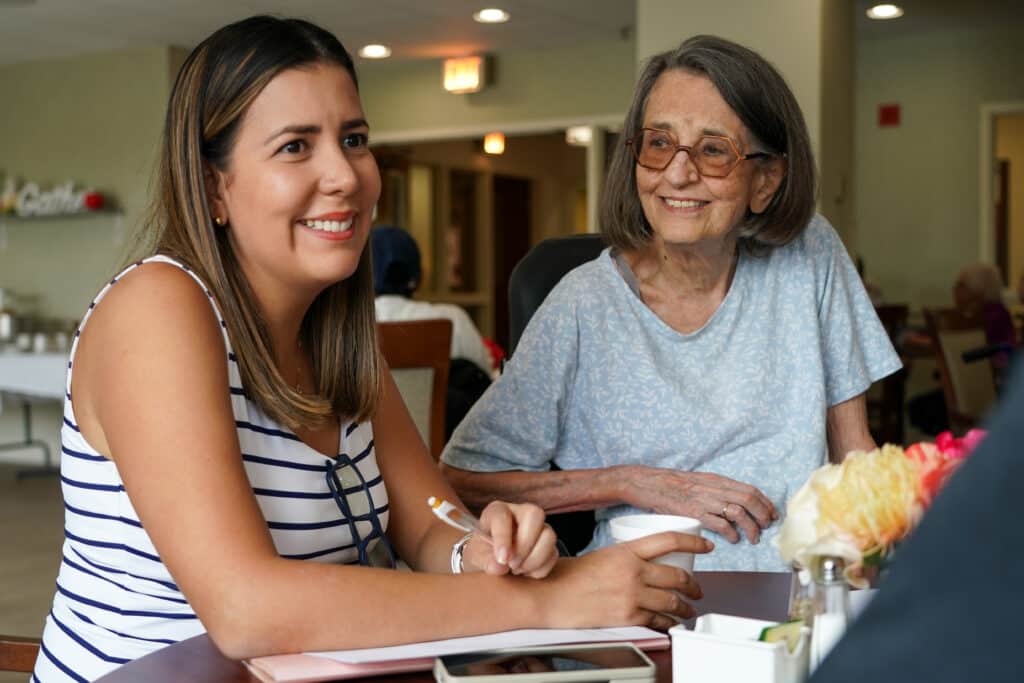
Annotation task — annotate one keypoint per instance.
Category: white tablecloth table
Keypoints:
(38, 375)
(30, 377)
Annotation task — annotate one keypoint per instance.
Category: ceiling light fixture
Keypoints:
(464, 74)
(886, 11)
(374, 51)
(579, 135)
(491, 15)
(494, 143)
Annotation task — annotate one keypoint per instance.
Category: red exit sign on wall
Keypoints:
(888, 115)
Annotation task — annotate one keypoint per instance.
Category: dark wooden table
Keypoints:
(758, 595)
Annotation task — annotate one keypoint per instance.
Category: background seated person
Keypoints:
(397, 270)
(977, 293)
(717, 354)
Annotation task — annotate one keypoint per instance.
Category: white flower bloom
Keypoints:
(799, 538)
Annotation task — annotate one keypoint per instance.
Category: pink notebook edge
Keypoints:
(309, 668)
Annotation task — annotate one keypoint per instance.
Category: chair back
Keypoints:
(531, 280)
(893, 318)
(417, 352)
(969, 388)
(18, 654)
(885, 399)
(539, 271)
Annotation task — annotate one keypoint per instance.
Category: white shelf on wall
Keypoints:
(117, 234)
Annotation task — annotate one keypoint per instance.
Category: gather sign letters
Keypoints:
(31, 200)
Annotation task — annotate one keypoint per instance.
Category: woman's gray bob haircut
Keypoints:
(758, 94)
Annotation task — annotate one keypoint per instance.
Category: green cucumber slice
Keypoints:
(788, 631)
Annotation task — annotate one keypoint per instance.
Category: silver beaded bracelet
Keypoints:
(457, 550)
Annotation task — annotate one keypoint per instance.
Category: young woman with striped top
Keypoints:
(233, 445)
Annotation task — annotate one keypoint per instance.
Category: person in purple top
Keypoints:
(979, 292)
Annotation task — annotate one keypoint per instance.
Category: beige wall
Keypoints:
(577, 84)
(1010, 146)
(835, 145)
(95, 120)
(917, 198)
(786, 32)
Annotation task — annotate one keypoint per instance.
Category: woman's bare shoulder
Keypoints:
(153, 298)
(152, 345)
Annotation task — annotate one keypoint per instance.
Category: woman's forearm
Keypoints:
(556, 491)
(847, 428)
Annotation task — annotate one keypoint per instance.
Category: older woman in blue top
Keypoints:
(717, 353)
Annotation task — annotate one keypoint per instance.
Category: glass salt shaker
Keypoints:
(831, 606)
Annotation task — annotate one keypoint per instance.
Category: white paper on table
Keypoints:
(520, 638)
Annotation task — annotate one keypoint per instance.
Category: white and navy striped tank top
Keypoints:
(115, 600)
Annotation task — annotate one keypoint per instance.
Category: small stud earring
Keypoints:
(218, 220)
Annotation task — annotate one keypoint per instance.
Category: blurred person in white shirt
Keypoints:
(396, 276)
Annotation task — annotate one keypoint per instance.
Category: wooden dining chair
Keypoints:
(417, 352)
(969, 388)
(18, 654)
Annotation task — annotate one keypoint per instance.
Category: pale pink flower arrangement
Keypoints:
(859, 510)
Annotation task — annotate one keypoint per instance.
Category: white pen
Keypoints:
(453, 516)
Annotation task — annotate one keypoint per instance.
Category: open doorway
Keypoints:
(1008, 196)
(512, 210)
(475, 215)
(1001, 181)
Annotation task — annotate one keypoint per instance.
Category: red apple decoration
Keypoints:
(93, 201)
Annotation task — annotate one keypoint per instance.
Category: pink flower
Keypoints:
(860, 509)
(957, 449)
(940, 459)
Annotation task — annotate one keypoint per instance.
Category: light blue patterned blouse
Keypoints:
(599, 380)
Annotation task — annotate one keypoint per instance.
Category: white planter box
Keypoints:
(725, 648)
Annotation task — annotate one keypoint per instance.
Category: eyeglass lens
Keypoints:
(712, 155)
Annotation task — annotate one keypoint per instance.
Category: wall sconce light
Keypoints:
(464, 74)
(579, 135)
(494, 143)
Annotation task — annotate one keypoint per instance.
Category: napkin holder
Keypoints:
(725, 648)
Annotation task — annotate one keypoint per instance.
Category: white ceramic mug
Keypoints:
(631, 527)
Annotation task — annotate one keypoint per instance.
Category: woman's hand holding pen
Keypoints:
(620, 586)
(520, 542)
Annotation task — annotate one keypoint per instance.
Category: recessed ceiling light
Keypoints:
(885, 12)
(374, 51)
(491, 15)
